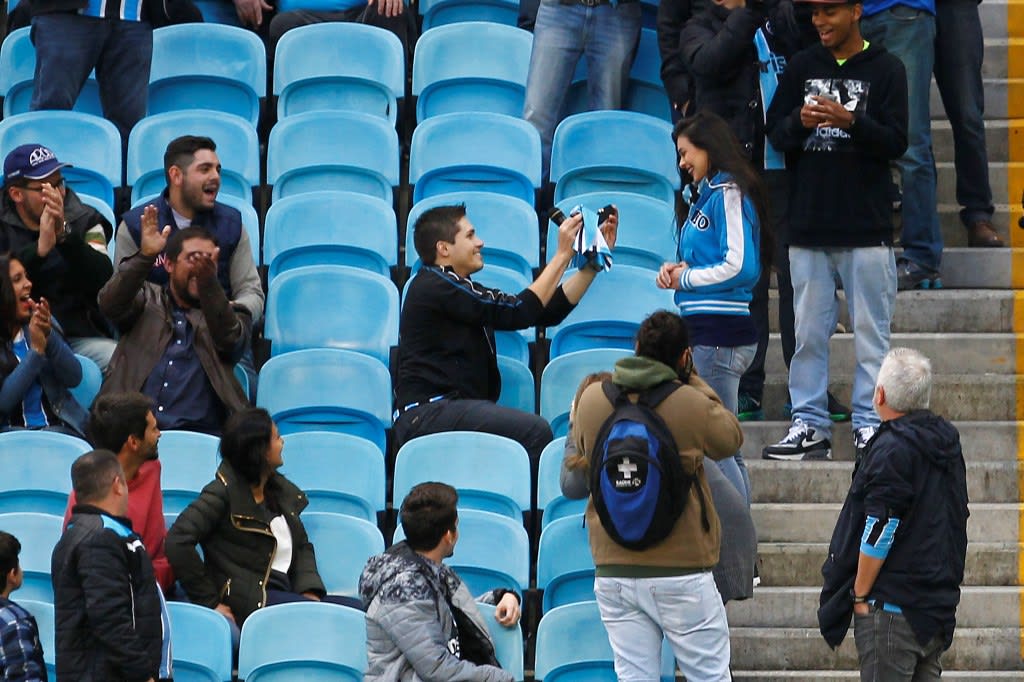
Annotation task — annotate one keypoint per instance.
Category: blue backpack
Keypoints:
(637, 480)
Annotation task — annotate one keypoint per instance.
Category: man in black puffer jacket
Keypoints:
(111, 623)
(897, 554)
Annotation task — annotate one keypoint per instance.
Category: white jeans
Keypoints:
(687, 609)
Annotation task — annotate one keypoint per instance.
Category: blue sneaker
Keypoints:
(910, 275)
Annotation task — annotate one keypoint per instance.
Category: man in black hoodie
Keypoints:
(840, 115)
(896, 559)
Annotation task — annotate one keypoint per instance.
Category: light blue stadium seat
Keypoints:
(471, 66)
(517, 385)
(646, 234)
(340, 150)
(306, 641)
(493, 551)
(507, 225)
(441, 12)
(611, 312)
(91, 143)
(38, 534)
(338, 66)
(562, 376)
(618, 151)
(44, 486)
(491, 473)
(250, 220)
(201, 643)
(238, 150)
(330, 228)
(92, 378)
(550, 499)
(188, 461)
(645, 92)
(479, 152)
(17, 73)
(105, 210)
(208, 66)
(46, 623)
(340, 473)
(362, 316)
(508, 642)
(327, 390)
(572, 646)
(565, 566)
(342, 545)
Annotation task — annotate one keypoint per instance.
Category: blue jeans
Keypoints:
(959, 51)
(910, 35)
(606, 36)
(69, 46)
(96, 348)
(721, 367)
(869, 281)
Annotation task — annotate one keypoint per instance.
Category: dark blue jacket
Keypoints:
(913, 470)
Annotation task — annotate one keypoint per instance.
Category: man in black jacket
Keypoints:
(448, 373)
(112, 624)
(896, 559)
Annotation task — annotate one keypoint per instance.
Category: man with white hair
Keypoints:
(896, 559)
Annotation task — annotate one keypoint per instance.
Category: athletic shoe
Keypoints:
(800, 443)
(910, 275)
(749, 409)
(861, 438)
(837, 412)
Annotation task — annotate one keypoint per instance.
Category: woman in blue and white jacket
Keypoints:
(723, 244)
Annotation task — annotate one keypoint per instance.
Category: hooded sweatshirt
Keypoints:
(840, 189)
(914, 470)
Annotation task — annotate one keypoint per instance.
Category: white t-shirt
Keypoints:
(283, 556)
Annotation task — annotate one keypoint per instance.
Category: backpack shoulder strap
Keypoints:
(654, 395)
(613, 391)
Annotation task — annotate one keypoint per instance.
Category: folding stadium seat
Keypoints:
(493, 551)
(491, 473)
(46, 623)
(549, 489)
(508, 642)
(338, 66)
(478, 151)
(17, 72)
(362, 315)
(208, 66)
(339, 150)
(507, 225)
(44, 486)
(614, 151)
(609, 315)
(237, 148)
(645, 93)
(103, 207)
(340, 473)
(92, 378)
(572, 646)
(327, 390)
(201, 643)
(647, 227)
(565, 566)
(38, 534)
(440, 12)
(471, 66)
(188, 461)
(330, 228)
(342, 545)
(562, 376)
(303, 641)
(517, 385)
(92, 144)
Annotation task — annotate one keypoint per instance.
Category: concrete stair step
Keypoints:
(796, 522)
(1001, 176)
(982, 441)
(1001, 136)
(1002, 93)
(990, 397)
(803, 649)
(814, 482)
(854, 676)
(799, 563)
(796, 607)
(1003, 219)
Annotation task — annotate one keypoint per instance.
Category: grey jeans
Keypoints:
(888, 651)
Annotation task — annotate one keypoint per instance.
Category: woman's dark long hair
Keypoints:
(709, 132)
(8, 316)
(244, 446)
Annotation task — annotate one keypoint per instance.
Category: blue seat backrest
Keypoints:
(44, 486)
(441, 12)
(92, 378)
(517, 385)
(562, 376)
(565, 566)
(508, 642)
(342, 545)
(339, 473)
(201, 642)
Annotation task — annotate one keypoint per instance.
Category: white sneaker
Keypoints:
(799, 444)
(861, 438)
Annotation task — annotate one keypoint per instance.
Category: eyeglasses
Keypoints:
(57, 184)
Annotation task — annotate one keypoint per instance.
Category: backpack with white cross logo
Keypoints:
(637, 480)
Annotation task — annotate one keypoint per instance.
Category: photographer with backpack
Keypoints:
(654, 532)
